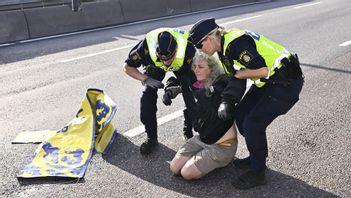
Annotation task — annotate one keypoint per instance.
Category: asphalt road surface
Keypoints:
(43, 82)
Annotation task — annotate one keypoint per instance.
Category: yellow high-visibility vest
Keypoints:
(271, 51)
(181, 37)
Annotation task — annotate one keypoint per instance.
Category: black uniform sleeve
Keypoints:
(231, 89)
(234, 90)
(244, 50)
(139, 55)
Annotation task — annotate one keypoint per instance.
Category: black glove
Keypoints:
(170, 93)
(152, 83)
(172, 81)
(225, 110)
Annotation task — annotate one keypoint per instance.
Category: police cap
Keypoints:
(166, 46)
(201, 29)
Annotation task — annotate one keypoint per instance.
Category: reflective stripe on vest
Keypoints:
(182, 41)
(272, 52)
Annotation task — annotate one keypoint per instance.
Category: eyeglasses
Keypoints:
(199, 44)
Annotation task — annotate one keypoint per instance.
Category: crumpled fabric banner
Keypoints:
(68, 152)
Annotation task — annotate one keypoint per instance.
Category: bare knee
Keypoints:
(177, 164)
(174, 168)
(190, 172)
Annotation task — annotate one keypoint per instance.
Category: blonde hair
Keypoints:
(220, 32)
(214, 65)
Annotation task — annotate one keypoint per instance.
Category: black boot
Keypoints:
(242, 163)
(148, 146)
(249, 179)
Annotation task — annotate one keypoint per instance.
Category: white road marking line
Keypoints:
(302, 6)
(345, 43)
(140, 129)
(240, 20)
(97, 53)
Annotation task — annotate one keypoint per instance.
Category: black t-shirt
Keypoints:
(139, 55)
(242, 49)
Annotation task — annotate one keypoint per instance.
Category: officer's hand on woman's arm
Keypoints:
(172, 89)
(170, 93)
(252, 73)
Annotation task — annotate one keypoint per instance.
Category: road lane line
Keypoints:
(240, 20)
(307, 5)
(140, 129)
(345, 43)
(97, 53)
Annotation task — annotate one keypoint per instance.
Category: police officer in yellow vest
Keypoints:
(163, 50)
(277, 82)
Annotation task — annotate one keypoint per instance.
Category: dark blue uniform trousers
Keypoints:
(258, 108)
(148, 101)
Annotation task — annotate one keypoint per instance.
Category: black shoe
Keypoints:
(148, 146)
(249, 179)
(242, 163)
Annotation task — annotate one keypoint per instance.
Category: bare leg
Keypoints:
(177, 163)
(190, 171)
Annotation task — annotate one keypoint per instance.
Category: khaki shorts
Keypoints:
(208, 157)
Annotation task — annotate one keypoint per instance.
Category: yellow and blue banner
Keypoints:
(68, 152)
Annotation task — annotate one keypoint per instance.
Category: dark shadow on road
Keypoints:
(25, 51)
(155, 169)
(326, 68)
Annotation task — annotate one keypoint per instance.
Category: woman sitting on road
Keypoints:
(217, 95)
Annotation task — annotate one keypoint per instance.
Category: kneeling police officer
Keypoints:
(163, 50)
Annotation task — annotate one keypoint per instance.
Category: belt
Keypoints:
(228, 142)
(289, 71)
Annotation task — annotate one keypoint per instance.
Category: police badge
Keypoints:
(245, 57)
(136, 57)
